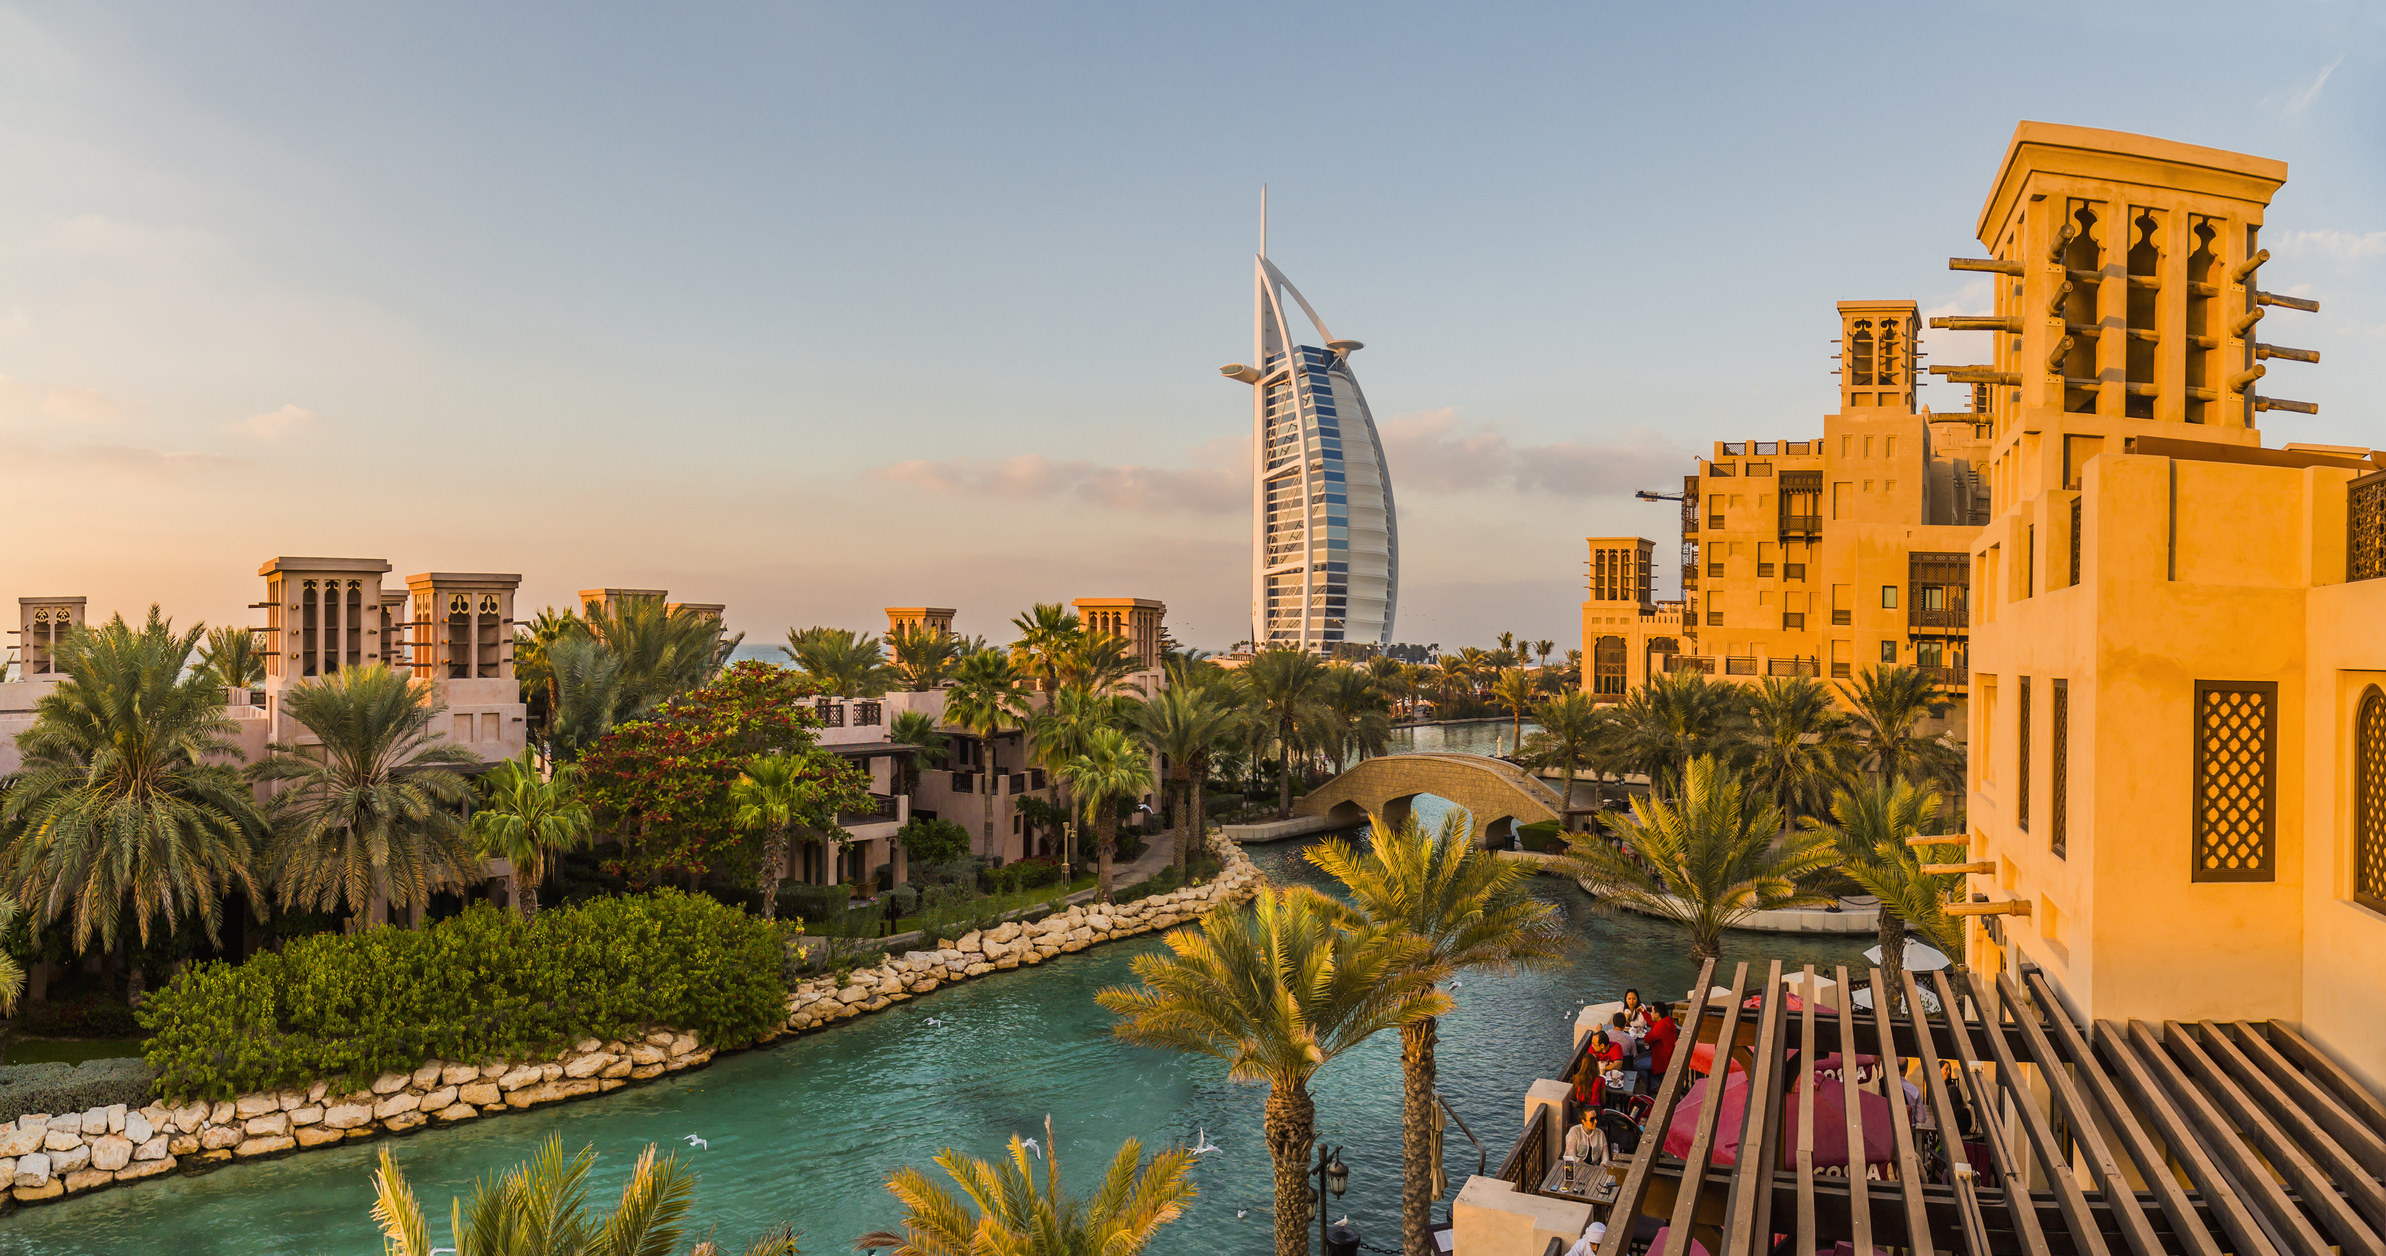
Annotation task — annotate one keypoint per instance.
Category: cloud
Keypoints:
(2343, 246)
(2298, 98)
(1435, 452)
(83, 405)
(1216, 485)
(276, 424)
(130, 462)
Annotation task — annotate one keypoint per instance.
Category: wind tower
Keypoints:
(1325, 537)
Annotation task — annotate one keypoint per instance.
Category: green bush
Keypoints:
(92, 1015)
(55, 1088)
(813, 904)
(903, 900)
(1542, 836)
(483, 985)
(933, 841)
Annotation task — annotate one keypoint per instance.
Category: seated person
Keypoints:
(1636, 1013)
(1599, 1056)
(1659, 1042)
(1628, 1053)
(1584, 1142)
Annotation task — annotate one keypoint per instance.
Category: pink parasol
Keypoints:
(1830, 1123)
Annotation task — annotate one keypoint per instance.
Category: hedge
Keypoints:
(481, 986)
(55, 1087)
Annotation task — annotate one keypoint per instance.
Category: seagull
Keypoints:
(933, 1021)
(698, 1143)
(1032, 1145)
(1455, 984)
(1202, 1145)
(1241, 1213)
(1345, 1219)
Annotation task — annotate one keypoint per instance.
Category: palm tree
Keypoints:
(1873, 822)
(843, 663)
(1889, 700)
(986, 699)
(1472, 910)
(1047, 631)
(1516, 691)
(12, 974)
(1673, 719)
(230, 658)
(541, 1207)
(124, 801)
(774, 797)
(1187, 725)
(1574, 733)
(916, 728)
(1098, 661)
(1457, 676)
(1798, 748)
(589, 693)
(924, 657)
(1284, 686)
(1062, 730)
(524, 819)
(367, 820)
(1114, 768)
(1356, 723)
(1705, 861)
(534, 666)
(664, 650)
(1277, 988)
(1543, 648)
(1017, 1217)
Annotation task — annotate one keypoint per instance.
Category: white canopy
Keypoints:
(1919, 958)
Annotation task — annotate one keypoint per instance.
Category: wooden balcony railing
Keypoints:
(1791, 667)
(1740, 666)
(2365, 527)
(1950, 674)
(1690, 663)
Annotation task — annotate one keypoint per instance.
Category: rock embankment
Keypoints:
(46, 1156)
(826, 1000)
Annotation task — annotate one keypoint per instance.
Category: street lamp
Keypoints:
(1068, 863)
(1333, 1176)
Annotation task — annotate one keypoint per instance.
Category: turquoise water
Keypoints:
(805, 1133)
(1470, 736)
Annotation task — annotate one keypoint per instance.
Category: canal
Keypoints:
(805, 1133)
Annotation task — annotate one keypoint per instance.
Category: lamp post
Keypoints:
(1068, 861)
(1334, 1176)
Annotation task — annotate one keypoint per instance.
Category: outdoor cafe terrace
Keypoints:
(1988, 1123)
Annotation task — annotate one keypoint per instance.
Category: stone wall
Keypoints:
(44, 1156)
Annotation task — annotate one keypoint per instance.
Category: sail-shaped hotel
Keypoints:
(1325, 541)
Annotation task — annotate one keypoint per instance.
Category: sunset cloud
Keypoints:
(276, 423)
(1436, 452)
(1216, 484)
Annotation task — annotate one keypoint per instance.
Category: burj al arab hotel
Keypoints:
(1325, 540)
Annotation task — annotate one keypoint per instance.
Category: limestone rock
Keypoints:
(549, 1072)
(268, 1125)
(396, 1105)
(644, 1054)
(495, 1070)
(620, 1067)
(645, 1072)
(390, 1083)
(347, 1116)
(183, 1145)
(480, 1094)
(18, 1142)
(253, 1105)
(610, 1084)
(459, 1074)
(219, 1137)
(111, 1152)
(437, 1099)
(33, 1169)
(61, 1138)
(1006, 963)
(69, 1161)
(139, 1169)
(518, 1079)
(267, 1146)
(311, 1114)
(454, 1112)
(659, 1038)
(316, 1092)
(427, 1076)
(117, 1112)
(588, 1065)
(137, 1127)
(969, 941)
(154, 1149)
(186, 1119)
(683, 1044)
(979, 969)
(84, 1179)
(50, 1189)
(404, 1121)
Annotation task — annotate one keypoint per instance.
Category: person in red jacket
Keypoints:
(1660, 1040)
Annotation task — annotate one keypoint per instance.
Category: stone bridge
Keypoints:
(1499, 794)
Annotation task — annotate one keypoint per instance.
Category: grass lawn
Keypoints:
(70, 1050)
(1013, 901)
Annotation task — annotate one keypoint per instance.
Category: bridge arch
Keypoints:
(1497, 793)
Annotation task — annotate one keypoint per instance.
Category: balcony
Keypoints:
(965, 782)
(1739, 666)
(1841, 619)
(1941, 618)
(869, 714)
(884, 814)
(1791, 667)
(830, 711)
(1690, 663)
(1793, 621)
(1949, 676)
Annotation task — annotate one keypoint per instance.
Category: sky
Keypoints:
(817, 309)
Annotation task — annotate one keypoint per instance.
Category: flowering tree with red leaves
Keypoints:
(660, 785)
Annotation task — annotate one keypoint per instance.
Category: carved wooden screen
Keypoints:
(1607, 665)
(2369, 801)
(2058, 751)
(2021, 758)
(2365, 527)
(2236, 782)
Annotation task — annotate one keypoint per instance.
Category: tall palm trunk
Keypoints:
(1291, 1124)
(986, 794)
(1566, 820)
(1184, 824)
(529, 894)
(1109, 843)
(1892, 961)
(1201, 820)
(1284, 772)
(1416, 1136)
(774, 870)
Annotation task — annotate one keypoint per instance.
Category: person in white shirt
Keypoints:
(1584, 1142)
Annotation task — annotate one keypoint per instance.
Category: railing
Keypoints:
(1793, 571)
(882, 807)
(1689, 575)
(1841, 619)
(1739, 666)
(2365, 527)
(1840, 671)
(1793, 621)
(1018, 783)
(965, 782)
(1721, 470)
(1714, 523)
(1035, 778)
(1528, 1160)
(1715, 571)
(1791, 667)
(831, 713)
(1735, 446)
(1714, 619)
(1764, 571)
(1801, 525)
(1947, 674)
(1690, 663)
(868, 714)
(1938, 617)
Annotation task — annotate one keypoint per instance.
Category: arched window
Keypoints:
(1860, 354)
(1607, 666)
(2369, 801)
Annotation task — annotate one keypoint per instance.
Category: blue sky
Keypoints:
(813, 310)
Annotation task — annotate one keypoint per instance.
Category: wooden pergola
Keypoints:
(2114, 1139)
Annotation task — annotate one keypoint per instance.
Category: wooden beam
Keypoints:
(2248, 1175)
(2064, 1089)
(1635, 1189)
(1859, 1204)
(2086, 1237)
(1909, 1165)
(2009, 907)
(2354, 1179)
(1977, 322)
(2262, 351)
(1941, 840)
(2356, 1097)
(1994, 266)
(2286, 302)
(2359, 1139)
(2219, 1194)
(2280, 403)
(2239, 271)
(1970, 1222)
(1978, 867)
(1703, 1126)
(1809, 1050)
(1751, 1168)
(2018, 1203)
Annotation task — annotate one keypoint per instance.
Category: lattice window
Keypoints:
(2369, 801)
(2058, 752)
(2236, 786)
(2021, 758)
(2075, 514)
(2365, 527)
(1607, 665)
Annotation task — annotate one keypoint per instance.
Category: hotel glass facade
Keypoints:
(1325, 548)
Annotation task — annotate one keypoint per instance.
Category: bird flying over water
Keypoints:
(1032, 1145)
(698, 1143)
(1202, 1145)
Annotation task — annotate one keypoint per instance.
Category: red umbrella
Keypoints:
(1830, 1123)
(1702, 1059)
